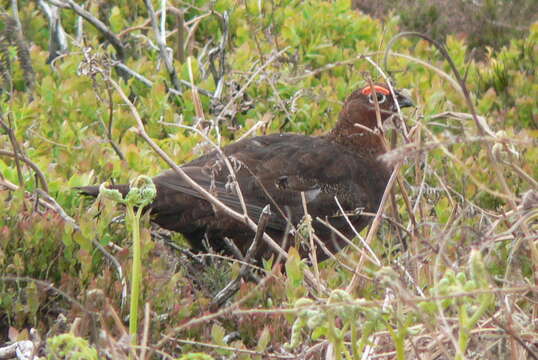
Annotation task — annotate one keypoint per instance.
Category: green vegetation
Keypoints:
(141, 193)
(465, 203)
(67, 346)
(484, 23)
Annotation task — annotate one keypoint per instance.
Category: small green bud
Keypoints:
(461, 277)
(478, 269)
(339, 295)
(450, 275)
(110, 194)
(142, 191)
(315, 319)
(444, 283)
(470, 286)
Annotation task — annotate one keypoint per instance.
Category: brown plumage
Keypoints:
(275, 169)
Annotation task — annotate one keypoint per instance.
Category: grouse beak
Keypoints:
(403, 101)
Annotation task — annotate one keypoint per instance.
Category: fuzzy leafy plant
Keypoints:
(68, 346)
(141, 193)
(321, 321)
(469, 309)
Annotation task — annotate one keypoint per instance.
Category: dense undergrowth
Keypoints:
(457, 258)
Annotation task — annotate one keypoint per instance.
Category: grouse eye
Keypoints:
(380, 98)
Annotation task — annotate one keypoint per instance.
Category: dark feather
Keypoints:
(275, 169)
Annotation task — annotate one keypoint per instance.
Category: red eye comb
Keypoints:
(378, 89)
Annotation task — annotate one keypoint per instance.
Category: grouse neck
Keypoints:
(346, 132)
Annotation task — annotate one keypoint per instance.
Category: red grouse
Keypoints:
(275, 169)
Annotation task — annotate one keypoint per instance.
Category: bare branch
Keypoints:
(163, 51)
(373, 228)
(57, 37)
(149, 83)
(98, 24)
(233, 286)
(31, 164)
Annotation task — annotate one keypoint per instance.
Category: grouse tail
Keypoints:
(94, 190)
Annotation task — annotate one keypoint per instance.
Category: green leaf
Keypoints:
(217, 334)
(265, 338)
(196, 356)
(116, 20)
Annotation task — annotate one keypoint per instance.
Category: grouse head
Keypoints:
(358, 118)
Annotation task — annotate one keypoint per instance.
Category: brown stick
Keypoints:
(233, 286)
(31, 164)
(166, 58)
(98, 24)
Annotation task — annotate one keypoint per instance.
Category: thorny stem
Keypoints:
(141, 193)
(466, 324)
(333, 336)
